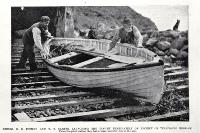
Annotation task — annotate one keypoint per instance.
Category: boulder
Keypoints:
(173, 51)
(163, 45)
(185, 48)
(158, 52)
(182, 55)
(179, 43)
(171, 33)
(169, 39)
(151, 42)
(154, 34)
(167, 52)
(161, 38)
(184, 34)
(145, 38)
(167, 58)
(149, 33)
(172, 57)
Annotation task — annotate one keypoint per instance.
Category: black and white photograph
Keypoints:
(100, 63)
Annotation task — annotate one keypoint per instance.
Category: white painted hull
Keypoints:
(143, 82)
(145, 78)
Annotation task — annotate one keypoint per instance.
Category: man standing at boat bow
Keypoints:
(36, 34)
(127, 34)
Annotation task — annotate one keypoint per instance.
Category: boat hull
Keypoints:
(146, 83)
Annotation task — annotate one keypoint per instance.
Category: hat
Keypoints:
(126, 21)
(44, 19)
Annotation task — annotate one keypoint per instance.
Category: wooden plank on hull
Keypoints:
(87, 62)
(116, 65)
(62, 57)
(118, 58)
(125, 59)
(100, 113)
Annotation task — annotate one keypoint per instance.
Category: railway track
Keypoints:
(39, 96)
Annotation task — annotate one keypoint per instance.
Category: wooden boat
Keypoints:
(89, 65)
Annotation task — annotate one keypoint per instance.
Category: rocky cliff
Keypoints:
(84, 17)
(111, 17)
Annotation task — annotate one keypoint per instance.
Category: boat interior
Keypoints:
(88, 53)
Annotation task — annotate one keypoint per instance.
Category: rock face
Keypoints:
(174, 51)
(179, 43)
(171, 45)
(64, 22)
(163, 45)
(84, 17)
(110, 16)
(151, 42)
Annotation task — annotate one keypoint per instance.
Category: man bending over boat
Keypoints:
(127, 34)
(36, 34)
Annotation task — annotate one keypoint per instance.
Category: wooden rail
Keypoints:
(164, 116)
(35, 83)
(176, 77)
(23, 70)
(99, 113)
(41, 89)
(31, 73)
(176, 74)
(68, 103)
(177, 81)
(50, 96)
(171, 69)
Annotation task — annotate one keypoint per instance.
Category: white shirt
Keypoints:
(37, 37)
(137, 35)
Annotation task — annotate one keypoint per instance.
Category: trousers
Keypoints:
(28, 53)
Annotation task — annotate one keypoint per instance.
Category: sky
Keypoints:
(164, 16)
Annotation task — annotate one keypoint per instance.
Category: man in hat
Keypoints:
(36, 34)
(127, 34)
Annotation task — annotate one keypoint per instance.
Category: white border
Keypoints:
(5, 65)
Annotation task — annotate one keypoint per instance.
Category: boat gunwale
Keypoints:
(159, 62)
(134, 66)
